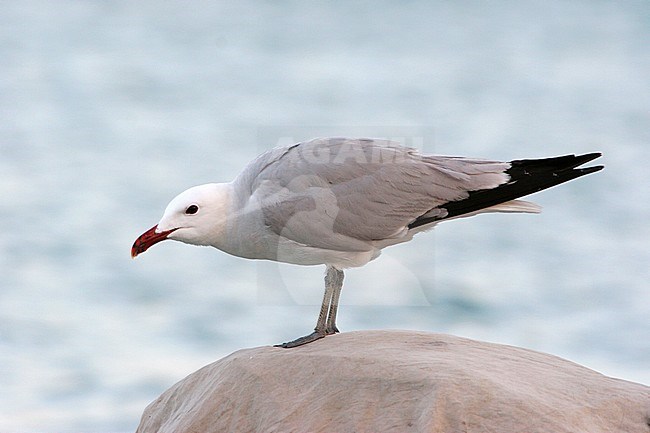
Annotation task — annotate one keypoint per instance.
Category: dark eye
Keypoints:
(191, 209)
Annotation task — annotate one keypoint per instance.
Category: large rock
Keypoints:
(395, 381)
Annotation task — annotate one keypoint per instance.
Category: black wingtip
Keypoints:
(590, 157)
(583, 159)
(527, 176)
(533, 175)
(593, 169)
(556, 163)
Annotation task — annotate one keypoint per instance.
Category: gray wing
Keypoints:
(342, 193)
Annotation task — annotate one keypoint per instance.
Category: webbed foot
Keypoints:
(302, 340)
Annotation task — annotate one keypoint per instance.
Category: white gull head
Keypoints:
(196, 216)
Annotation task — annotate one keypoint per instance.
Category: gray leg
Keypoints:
(326, 324)
(321, 323)
(335, 278)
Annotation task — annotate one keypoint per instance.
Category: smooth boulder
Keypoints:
(398, 381)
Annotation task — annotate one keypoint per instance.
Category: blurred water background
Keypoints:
(110, 108)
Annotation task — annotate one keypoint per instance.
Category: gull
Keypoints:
(339, 201)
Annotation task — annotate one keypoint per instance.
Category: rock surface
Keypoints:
(398, 381)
